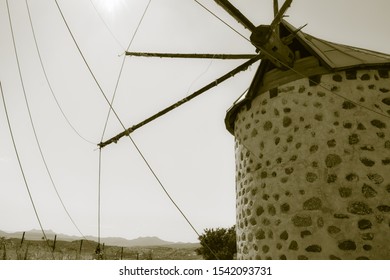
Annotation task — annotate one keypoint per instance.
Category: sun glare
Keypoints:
(109, 7)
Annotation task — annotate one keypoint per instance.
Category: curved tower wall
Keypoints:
(313, 169)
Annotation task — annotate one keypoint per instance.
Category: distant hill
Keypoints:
(140, 241)
(113, 241)
(36, 234)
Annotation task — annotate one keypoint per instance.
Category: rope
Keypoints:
(99, 189)
(108, 116)
(35, 132)
(220, 19)
(121, 70)
(48, 82)
(104, 22)
(322, 85)
(167, 193)
(21, 167)
(85, 61)
(186, 99)
(202, 74)
(133, 142)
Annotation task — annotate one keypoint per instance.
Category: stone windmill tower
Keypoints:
(312, 146)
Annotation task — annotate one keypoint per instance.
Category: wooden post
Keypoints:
(21, 242)
(25, 254)
(192, 55)
(276, 7)
(81, 245)
(137, 256)
(221, 79)
(235, 13)
(54, 244)
(276, 10)
(5, 252)
(122, 253)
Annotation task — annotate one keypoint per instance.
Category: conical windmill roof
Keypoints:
(337, 56)
(329, 57)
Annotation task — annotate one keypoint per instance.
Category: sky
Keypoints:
(189, 148)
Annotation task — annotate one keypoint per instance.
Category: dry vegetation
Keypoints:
(14, 249)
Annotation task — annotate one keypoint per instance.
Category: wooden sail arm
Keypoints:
(192, 55)
(228, 75)
(235, 13)
(276, 10)
(279, 16)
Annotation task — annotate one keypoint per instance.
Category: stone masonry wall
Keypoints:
(313, 170)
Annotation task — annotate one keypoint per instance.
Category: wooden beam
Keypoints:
(81, 246)
(21, 242)
(276, 10)
(221, 79)
(279, 16)
(54, 243)
(192, 55)
(276, 7)
(235, 13)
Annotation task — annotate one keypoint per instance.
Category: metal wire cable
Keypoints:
(131, 139)
(21, 169)
(48, 81)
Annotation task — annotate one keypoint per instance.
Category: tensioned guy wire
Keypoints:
(121, 123)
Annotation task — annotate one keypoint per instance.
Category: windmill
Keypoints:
(265, 38)
(310, 105)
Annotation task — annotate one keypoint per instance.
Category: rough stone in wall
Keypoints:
(313, 169)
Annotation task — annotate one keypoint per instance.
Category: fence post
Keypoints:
(81, 246)
(21, 242)
(25, 253)
(54, 244)
(5, 252)
(122, 253)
